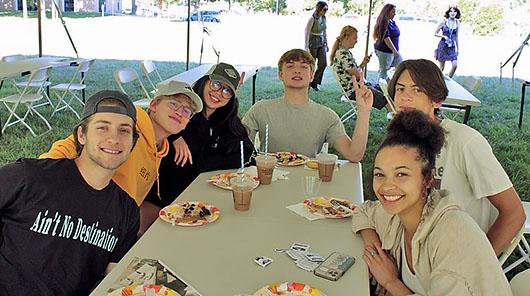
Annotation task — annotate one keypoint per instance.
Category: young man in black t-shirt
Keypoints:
(65, 222)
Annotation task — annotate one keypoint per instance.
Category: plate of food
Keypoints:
(290, 158)
(189, 213)
(329, 207)
(287, 288)
(223, 180)
(144, 290)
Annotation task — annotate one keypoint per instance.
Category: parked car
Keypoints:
(205, 16)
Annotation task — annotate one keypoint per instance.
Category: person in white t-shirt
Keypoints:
(466, 165)
(297, 124)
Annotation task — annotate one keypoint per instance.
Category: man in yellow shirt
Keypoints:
(169, 112)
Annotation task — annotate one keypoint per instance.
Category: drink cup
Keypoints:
(265, 168)
(310, 186)
(326, 166)
(242, 192)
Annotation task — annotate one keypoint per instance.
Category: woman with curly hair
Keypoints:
(448, 47)
(419, 240)
(466, 165)
(386, 35)
(316, 41)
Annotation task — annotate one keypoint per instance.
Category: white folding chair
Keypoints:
(66, 92)
(519, 283)
(28, 99)
(353, 109)
(127, 75)
(383, 84)
(471, 83)
(521, 244)
(149, 67)
(39, 82)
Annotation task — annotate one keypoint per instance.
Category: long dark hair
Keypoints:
(228, 114)
(318, 9)
(381, 24)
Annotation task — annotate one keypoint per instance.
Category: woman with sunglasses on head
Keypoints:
(316, 41)
(426, 244)
(211, 140)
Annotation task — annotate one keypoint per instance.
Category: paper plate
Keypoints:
(139, 290)
(321, 206)
(287, 288)
(290, 158)
(189, 213)
(223, 180)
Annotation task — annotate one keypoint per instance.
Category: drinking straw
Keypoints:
(266, 140)
(242, 162)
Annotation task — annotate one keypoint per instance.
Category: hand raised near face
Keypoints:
(363, 95)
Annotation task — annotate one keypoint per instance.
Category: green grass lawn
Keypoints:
(496, 119)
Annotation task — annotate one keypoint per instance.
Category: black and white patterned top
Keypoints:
(342, 62)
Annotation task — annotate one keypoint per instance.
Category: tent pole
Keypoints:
(39, 20)
(188, 43)
(368, 35)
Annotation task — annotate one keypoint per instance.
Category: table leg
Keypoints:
(1, 84)
(83, 90)
(466, 115)
(521, 109)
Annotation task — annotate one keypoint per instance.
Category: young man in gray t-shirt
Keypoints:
(297, 124)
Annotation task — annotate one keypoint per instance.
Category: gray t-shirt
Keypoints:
(300, 129)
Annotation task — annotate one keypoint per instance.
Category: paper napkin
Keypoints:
(302, 211)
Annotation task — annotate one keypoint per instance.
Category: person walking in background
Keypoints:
(316, 41)
(346, 67)
(448, 47)
(386, 35)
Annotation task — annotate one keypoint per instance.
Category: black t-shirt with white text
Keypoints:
(59, 234)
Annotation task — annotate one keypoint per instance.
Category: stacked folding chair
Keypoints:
(27, 99)
(149, 67)
(66, 92)
(127, 75)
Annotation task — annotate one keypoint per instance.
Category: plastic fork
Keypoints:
(336, 204)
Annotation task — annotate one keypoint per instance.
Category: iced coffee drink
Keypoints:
(242, 192)
(265, 168)
(326, 166)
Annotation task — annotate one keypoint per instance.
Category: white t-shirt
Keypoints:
(300, 129)
(468, 168)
